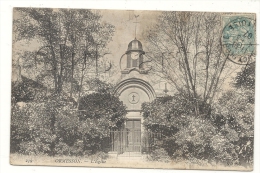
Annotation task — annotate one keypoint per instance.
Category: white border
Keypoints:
(5, 66)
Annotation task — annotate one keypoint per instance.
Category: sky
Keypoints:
(123, 20)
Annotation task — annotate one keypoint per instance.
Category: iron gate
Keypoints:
(133, 141)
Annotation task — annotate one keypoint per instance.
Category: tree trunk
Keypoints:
(60, 82)
(72, 74)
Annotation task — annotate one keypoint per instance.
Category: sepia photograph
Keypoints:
(133, 88)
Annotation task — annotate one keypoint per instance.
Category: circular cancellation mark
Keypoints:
(238, 40)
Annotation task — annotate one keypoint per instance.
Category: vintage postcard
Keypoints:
(133, 89)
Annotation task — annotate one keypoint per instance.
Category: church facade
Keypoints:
(133, 89)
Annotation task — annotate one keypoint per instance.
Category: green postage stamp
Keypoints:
(239, 38)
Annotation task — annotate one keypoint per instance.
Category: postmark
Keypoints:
(238, 39)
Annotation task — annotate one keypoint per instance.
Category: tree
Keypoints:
(186, 50)
(99, 86)
(19, 127)
(234, 114)
(245, 79)
(33, 128)
(26, 90)
(47, 126)
(70, 42)
(183, 135)
(225, 136)
(99, 112)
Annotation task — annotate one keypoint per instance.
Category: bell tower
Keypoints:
(134, 58)
(133, 89)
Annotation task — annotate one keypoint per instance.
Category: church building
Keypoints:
(133, 89)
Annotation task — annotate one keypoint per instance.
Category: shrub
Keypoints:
(183, 134)
(64, 149)
(35, 147)
(99, 112)
(66, 126)
(99, 157)
(19, 127)
(159, 155)
(224, 134)
(236, 112)
(38, 124)
(31, 126)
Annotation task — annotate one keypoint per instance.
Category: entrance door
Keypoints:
(133, 137)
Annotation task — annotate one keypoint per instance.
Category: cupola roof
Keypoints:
(135, 45)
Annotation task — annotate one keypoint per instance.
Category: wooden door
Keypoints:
(133, 138)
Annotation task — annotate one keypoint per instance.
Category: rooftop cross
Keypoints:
(136, 16)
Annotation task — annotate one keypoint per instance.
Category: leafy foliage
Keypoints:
(27, 90)
(66, 127)
(237, 116)
(62, 149)
(19, 127)
(225, 135)
(185, 135)
(236, 111)
(51, 126)
(245, 79)
(168, 114)
(99, 112)
(159, 155)
(99, 86)
(68, 42)
(37, 127)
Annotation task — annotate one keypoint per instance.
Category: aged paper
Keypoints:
(135, 89)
